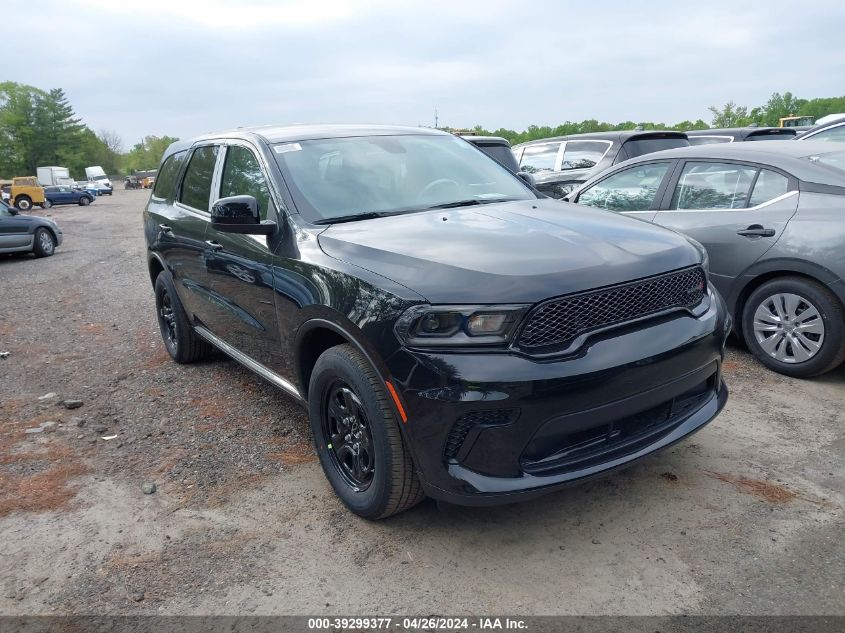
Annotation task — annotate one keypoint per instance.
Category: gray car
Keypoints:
(27, 233)
(772, 218)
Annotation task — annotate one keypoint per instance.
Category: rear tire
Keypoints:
(795, 326)
(43, 243)
(180, 340)
(24, 203)
(47, 204)
(353, 416)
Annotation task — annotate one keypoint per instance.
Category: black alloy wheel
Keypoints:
(350, 437)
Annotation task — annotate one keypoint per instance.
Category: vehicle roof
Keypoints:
(787, 155)
(491, 140)
(615, 135)
(743, 132)
(303, 132)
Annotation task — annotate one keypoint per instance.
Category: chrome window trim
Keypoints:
(762, 205)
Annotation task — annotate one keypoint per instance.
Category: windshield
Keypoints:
(343, 177)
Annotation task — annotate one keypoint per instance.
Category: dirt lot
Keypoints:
(745, 517)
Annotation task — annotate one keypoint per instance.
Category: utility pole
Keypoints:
(435, 118)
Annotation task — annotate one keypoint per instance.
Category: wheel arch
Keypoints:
(155, 266)
(756, 276)
(317, 335)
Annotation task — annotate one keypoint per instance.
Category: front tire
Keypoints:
(357, 436)
(24, 203)
(84, 201)
(180, 340)
(44, 244)
(795, 326)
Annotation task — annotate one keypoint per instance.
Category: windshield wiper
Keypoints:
(369, 215)
(469, 202)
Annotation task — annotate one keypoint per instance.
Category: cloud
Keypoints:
(182, 68)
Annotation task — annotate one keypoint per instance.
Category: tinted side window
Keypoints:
(713, 186)
(196, 186)
(769, 185)
(633, 189)
(242, 176)
(583, 154)
(167, 175)
(833, 134)
(537, 158)
(502, 154)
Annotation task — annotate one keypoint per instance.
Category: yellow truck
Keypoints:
(795, 121)
(23, 192)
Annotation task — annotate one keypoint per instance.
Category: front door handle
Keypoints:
(214, 245)
(164, 228)
(755, 230)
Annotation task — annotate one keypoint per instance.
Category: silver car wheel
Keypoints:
(46, 242)
(788, 328)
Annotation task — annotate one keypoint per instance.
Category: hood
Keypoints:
(512, 252)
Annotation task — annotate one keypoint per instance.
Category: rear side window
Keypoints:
(583, 154)
(789, 134)
(633, 189)
(538, 158)
(769, 185)
(833, 134)
(196, 186)
(713, 186)
(167, 175)
(242, 176)
(637, 147)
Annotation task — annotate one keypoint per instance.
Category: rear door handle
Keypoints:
(213, 245)
(755, 230)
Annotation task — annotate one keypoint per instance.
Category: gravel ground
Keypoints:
(745, 517)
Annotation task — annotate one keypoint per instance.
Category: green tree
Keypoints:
(730, 115)
(146, 154)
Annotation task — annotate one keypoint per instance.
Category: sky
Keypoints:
(182, 68)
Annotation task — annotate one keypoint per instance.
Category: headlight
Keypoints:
(458, 325)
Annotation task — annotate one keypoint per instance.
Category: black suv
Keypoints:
(561, 164)
(450, 332)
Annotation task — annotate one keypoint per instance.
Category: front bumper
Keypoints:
(490, 428)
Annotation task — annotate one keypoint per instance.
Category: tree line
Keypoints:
(39, 127)
(729, 115)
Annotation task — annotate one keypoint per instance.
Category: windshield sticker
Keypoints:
(287, 147)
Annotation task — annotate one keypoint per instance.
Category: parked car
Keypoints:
(739, 134)
(131, 182)
(450, 332)
(90, 186)
(771, 218)
(148, 182)
(27, 233)
(560, 164)
(830, 130)
(497, 148)
(67, 195)
(24, 191)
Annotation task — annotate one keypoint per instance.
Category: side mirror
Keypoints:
(527, 178)
(239, 214)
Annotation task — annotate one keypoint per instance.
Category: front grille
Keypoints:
(464, 424)
(558, 322)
